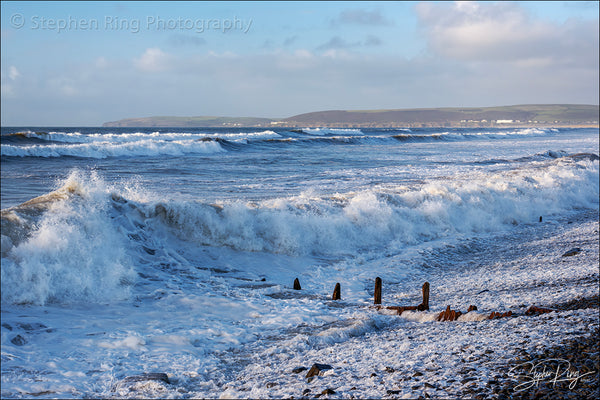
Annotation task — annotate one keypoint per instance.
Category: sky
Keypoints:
(86, 63)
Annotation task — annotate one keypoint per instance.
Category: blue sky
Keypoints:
(85, 63)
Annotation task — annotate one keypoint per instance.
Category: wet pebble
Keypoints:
(18, 340)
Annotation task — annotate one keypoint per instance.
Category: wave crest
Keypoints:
(62, 247)
(146, 147)
(377, 219)
(80, 242)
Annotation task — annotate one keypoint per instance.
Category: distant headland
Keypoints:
(555, 115)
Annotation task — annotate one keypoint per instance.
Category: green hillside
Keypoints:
(527, 114)
(175, 122)
(519, 114)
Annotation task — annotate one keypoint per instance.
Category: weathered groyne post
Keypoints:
(377, 297)
(424, 306)
(337, 292)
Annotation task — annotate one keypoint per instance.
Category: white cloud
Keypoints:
(153, 60)
(505, 32)
(63, 85)
(303, 54)
(8, 81)
(13, 73)
(101, 63)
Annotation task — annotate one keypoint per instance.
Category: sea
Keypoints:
(173, 252)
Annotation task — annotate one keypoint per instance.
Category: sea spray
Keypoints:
(85, 237)
(73, 252)
(373, 219)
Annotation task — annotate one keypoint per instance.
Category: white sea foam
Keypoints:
(245, 136)
(373, 220)
(332, 131)
(79, 234)
(71, 137)
(517, 132)
(125, 137)
(501, 134)
(73, 253)
(145, 147)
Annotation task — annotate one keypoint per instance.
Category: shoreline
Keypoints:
(413, 356)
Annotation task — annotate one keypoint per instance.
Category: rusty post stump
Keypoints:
(337, 292)
(444, 315)
(533, 310)
(377, 297)
(448, 315)
(424, 306)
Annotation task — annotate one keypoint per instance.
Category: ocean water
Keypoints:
(173, 250)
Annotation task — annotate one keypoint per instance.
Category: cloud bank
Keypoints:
(473, 54)
(503, 32)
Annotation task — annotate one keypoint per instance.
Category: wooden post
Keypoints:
(426, 296)
(377, 299)
(337, 292)
(297, 284)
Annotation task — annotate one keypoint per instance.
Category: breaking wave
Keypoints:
(331, 131)
(124, 137)
(151, 144)
(145, 147)
(83, 242)
(64, 247)
(472, 135)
